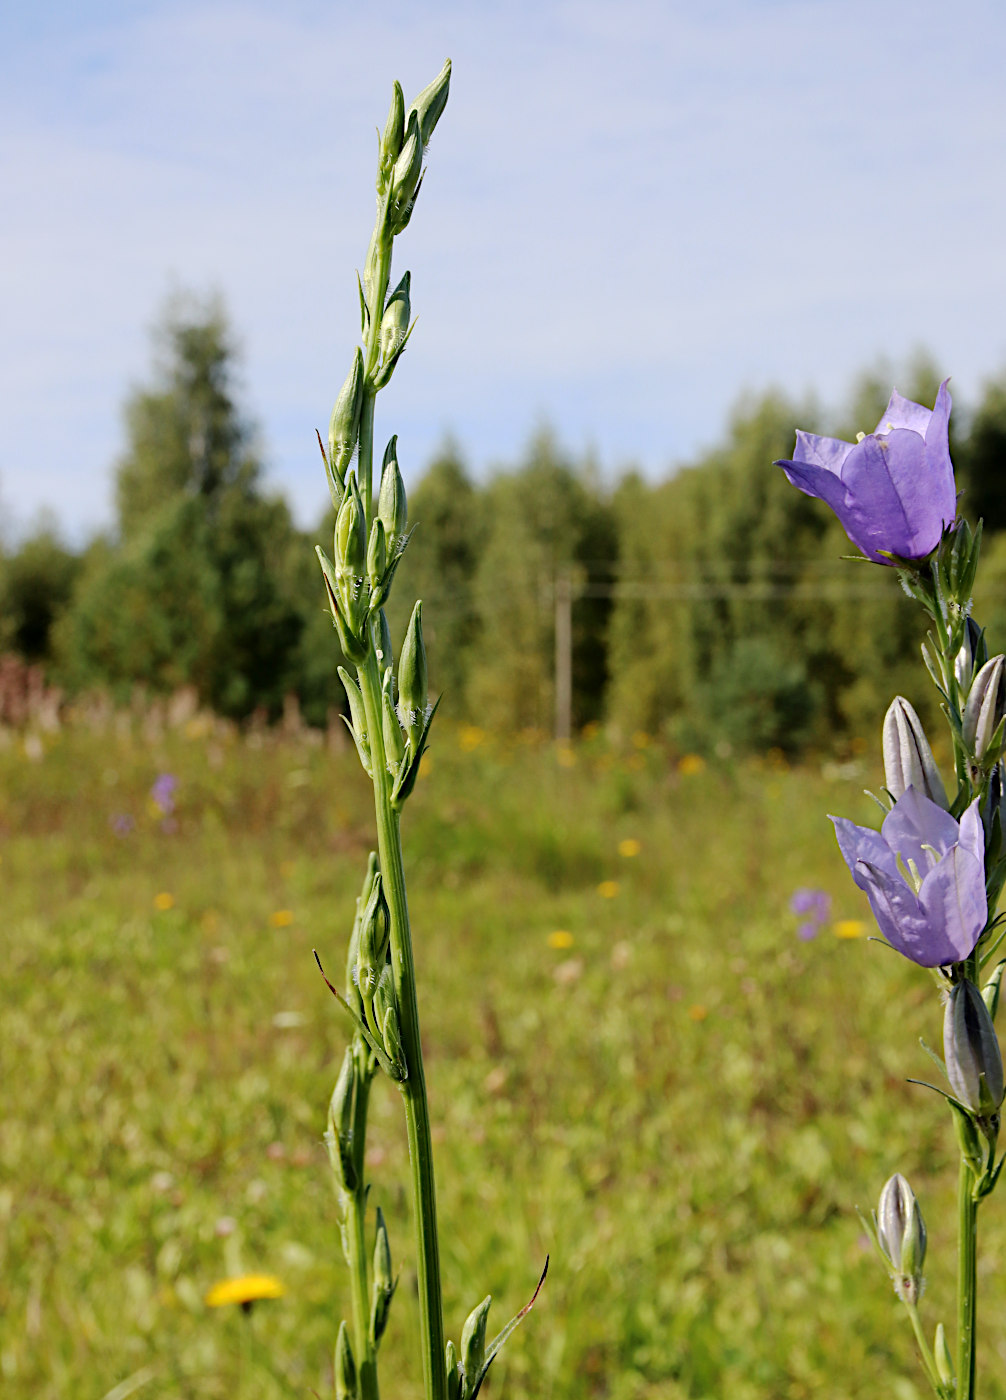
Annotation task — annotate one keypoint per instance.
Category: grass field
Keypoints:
(635, 1065)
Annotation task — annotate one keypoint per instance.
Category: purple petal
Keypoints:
(876, 511)
(863, 844)
(914, 822)
(952, 900)
(900, 918)
(816, 481)
(903, 413)
(807, 931)
(972, 837)
(825, 452)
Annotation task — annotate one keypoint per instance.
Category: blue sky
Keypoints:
(633, 213)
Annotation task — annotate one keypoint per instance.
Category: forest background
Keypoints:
(711, 607)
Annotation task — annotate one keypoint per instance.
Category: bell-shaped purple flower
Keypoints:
(924, 874)
(892, 490)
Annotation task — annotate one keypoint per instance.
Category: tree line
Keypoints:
(712, 607)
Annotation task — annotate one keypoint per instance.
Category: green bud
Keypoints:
(412, 678)
(902, 1236)
(392, 1037)
(394, 134)
(384, 1284)
(345, 1367)
(339, 1132)
(430, 103)
(373, 945)
(344, 426)
(405, 175)
(971, 1051)
(385, 654)
(991, 990)
(395, 321)
(392, 506)
(453, 1373)
(384, 997)
(377, 553)
(357, 714)
(394, 740)
(943, 1358)
(473, 1341)
(986, 705)
(908, 759)
(351, 531)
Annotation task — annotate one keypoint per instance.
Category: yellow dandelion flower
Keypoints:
(281, 918)
(164, 901)
(629, 848)
(691, 763)
(698, 1012)
(608, 889)
(561, 938)
(248, 1289)
(850, 928)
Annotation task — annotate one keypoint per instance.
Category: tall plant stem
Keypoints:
(967, 1256)
(364, 1350)
(417, 1115)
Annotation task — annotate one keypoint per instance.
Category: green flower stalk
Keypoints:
(371, 534)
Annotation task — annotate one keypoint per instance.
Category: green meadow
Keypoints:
(636, 1067)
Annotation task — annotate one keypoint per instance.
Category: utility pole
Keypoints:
(563, 656)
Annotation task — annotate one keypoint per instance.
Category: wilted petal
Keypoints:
(952, 899)
(914, 822)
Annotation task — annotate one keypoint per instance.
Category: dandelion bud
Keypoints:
(908, 759)
(412, 678)
(985, 708)
(971, 1051)
(345, 1367)
(901, 1233)
(351, 531)
(473, 1341)
(430, 103)
(344, 427)
(339, 1132)
(394, 133)
(453, 1373)
(377, 553)
(395, 321)
(405, 175)
(392, 507)
(384, 1284)
(943, 1358)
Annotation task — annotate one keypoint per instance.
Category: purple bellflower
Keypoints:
(924, 874)
(892, 490)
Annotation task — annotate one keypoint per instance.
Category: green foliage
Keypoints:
(981, 464)
(36, 584)
(683, 1105)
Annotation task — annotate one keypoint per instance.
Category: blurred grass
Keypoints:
(678, 1100)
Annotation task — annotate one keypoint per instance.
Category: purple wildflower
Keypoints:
(893, 490)
(163, 792)
(808, 930)
(924, 874)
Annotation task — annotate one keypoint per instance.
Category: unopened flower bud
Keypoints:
(344, 427)
(345, 1367)
(430, 103)
(943, 1358)
(395, 321)
(902, 1236)
(351, 531)
(394, 132)
(908, 759)
(377, 553)
(384, 1284)
(971, 1051)
(339, 1132)
(357, 717)
(972, 655)
(392, 506)
(992, 989)
(453, 1373)
(985, 707)
(385, 655)
(412, 678)
(473, 1341)
(394, 740)
(373, 944)
(392, 1037)
(405, 175)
